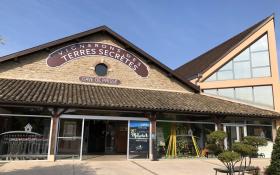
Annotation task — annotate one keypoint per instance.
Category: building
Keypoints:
(241, 69)
(95, 93)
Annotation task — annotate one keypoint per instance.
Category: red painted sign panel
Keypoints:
(78, 50)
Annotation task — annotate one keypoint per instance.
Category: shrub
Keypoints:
(229, 159)
(216, 137)
(274, 168)
(255, 141)
(244, 149)
(215, 149)
(216, 142)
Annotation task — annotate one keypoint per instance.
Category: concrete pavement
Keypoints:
(126, 167)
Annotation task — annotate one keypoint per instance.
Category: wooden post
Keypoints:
(53, 134)
(218, 121)
(153, 137)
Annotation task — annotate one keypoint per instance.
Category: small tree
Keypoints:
(274, 168)
(255, 141)
(246, 151)
(216, 141)
(229, 159)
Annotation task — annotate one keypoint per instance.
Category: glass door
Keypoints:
(69, 139)
(235, 133)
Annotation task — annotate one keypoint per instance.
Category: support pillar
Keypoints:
(218, 122)
(53, 133)
(275, 126)
(153, 145)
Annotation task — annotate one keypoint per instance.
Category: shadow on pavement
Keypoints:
(66, 169)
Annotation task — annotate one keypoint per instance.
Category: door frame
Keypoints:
(237, 126)
(115, 118)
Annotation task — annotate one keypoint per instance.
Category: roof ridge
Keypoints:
(181, 71)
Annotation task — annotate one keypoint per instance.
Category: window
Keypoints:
(225, 75)
(101, 69)
(260, 45)
(261, 72)
(243, 56)
(259, 95)
(211, 91)
(263, 95)
(24, 138)
(260, 131)
(242, 70)
(260, 59)
(244, 94)
(252, 62)
(229, 92)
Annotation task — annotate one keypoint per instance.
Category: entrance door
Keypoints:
(235, 133)
(105, 137)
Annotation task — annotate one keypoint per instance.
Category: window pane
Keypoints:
(263, 95)
(229, 92)
(70, 128)
(228, 66)
(24, 138)
(245, 93)
(212, 77)
(261, 72)
(242, 70)
(210, 91)
(260, 59)
(225, 75)
(243, 56)
(261, 44)
(260, 131)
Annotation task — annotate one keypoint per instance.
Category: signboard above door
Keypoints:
(78, 50)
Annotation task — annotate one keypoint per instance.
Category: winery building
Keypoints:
(95, 95)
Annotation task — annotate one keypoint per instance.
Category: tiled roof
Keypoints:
(39, 93)
(208, 59)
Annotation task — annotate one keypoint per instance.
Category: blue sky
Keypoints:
(174, 31)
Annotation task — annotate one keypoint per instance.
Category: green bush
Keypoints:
(244, 149)
(274, 168)
(229, 156)
(216, 137)
(215, 149)
(255, 141)
(216, 142)
(229, 159)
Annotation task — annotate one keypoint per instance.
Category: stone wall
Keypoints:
(34, 67)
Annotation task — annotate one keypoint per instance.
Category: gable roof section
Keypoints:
(208, 59)
(67, 95)
(122, 40)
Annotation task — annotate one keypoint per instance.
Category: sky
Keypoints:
(172, 31)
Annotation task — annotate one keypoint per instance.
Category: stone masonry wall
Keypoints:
(34, 67)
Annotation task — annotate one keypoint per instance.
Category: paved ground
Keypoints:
(143, 167)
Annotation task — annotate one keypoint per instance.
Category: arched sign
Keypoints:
(78, 50)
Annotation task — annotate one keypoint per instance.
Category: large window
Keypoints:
(253, 62)
(260, 95)
(182, 139)
(24, 138)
